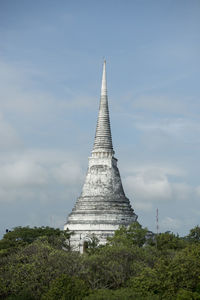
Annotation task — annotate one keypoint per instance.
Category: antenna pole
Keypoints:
(157, 227)
(157, 224)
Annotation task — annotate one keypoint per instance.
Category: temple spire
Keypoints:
(102, 206)
(104, 83)
(103, 138)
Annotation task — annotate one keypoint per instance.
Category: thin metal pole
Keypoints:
(157, 227)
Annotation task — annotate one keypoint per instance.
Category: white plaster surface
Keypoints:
(102, 206)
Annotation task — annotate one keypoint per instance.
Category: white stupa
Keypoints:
(102, 206)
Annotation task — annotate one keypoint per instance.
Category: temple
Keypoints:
(102, 206)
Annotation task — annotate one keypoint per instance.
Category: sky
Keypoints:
(51, 55)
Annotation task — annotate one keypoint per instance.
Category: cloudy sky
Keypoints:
(51, 55)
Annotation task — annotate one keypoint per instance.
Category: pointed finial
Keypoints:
(104, 85)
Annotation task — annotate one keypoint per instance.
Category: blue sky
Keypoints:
(51, 55)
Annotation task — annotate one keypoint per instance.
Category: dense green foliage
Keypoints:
(66, 287)
(23, 236)
(37, 263)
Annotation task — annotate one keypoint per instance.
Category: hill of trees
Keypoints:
(37, 263)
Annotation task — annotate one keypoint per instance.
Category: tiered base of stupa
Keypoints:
(102, 206)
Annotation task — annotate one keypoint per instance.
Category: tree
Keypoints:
(194, 235)
(185, 268)
(34, 266)
(66, 287)
(133, 235)
(120, 294)
(91, 245)
(112, 265)
(170, 274)
(22, 236)
(23, 295)
(187, 295)
(168, 240)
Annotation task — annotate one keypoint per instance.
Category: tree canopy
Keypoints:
(37, 263)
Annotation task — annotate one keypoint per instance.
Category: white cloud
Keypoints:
(56, 221)
(161, 103)
(156, 169)
(34, 173)
(170, 224)
(22, 173)
(168, 126)
(186, 129)
(198, 190)
(20, 194)
(182, 191)
(154, 185)
(9, 137)
(149, 186)
(20, 95)
(68, 173)
(142, 206)
(41, 175)
(151, 183)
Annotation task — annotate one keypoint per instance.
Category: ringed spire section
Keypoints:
(103, 137)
